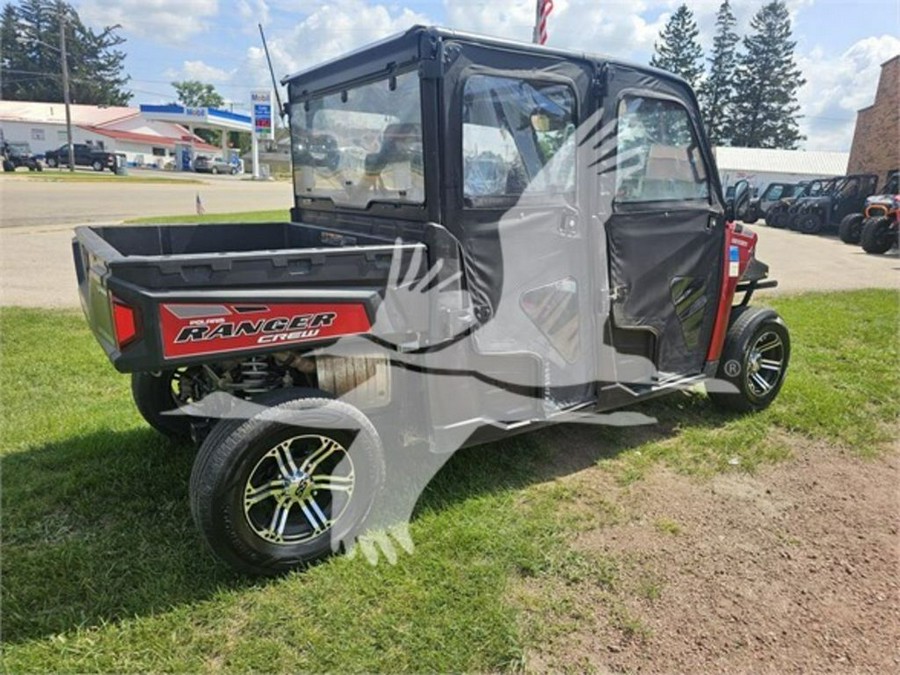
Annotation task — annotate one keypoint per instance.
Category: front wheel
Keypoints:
(97, 165)
(878, 236)
(810, 223)
(753, 363)
(850, 228)
(292, 484)
(51, 162)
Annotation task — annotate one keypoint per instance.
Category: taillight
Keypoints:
(125, 321)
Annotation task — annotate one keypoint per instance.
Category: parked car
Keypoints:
(85, 155)
(16, 155)
(205, 164)
(406, 311)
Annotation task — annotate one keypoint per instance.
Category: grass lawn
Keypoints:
(102, 568)
(276, 216)
(64, 175)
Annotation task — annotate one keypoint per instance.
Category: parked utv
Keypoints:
(16, 155)
(849, 195)
(486, 237)
(780, 214)
(851, 227)
(759, 207)
(879, 231)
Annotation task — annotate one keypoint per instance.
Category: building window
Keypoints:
(159, 152)
(61, 135)
(37, 134)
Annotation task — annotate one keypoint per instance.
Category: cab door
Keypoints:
(665, 231)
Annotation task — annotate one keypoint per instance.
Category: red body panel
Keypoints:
(744, 241)
(202, 329)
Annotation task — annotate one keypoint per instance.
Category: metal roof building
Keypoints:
(761, 166)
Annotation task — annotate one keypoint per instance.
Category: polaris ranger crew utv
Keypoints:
(487, 236)
(782, 212)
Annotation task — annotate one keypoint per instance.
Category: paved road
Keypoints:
(36, 266)
(25, 202)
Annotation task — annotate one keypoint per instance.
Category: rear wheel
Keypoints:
(215, 170)
(155, 395)
(288, 486)
(850, 228)
(754, 361)
(878, 236)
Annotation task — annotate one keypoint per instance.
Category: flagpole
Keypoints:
(536, 36)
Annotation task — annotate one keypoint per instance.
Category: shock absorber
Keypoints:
(256, 377)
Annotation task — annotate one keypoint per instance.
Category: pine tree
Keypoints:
(32, 64)
(717, 91)
(677, 49)
(764, 114)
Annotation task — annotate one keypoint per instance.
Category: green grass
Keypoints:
(102, 569)
(65, 176)
(244, 217)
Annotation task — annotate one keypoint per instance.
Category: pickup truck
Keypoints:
(85, 155)
(486, 237)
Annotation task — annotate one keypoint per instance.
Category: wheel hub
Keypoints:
(298, 486)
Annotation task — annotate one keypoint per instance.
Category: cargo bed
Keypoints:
(149, 283)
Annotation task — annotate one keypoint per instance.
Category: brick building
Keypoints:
(876, 139)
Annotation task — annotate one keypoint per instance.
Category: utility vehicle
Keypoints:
(773, 194)
(811, 215)
(879, 205)
(15, 155)
(486, 236)
(880, 228)
(781, 213)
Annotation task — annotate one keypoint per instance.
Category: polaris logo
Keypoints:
(278, 329)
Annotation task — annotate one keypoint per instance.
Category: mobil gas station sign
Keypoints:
(261, 105)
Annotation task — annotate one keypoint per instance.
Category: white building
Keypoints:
(125, 130)
(761, 166)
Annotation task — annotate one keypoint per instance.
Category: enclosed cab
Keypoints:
(486, 236)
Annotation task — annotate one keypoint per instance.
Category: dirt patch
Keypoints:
(792, 569)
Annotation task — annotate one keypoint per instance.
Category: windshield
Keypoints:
(361, 145)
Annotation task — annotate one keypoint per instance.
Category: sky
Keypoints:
(840, 43)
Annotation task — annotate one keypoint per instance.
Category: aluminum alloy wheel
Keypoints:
(299, 489)
(765, 364)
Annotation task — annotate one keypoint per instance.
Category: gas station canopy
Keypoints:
(211, 118)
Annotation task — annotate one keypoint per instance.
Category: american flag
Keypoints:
(200, 209)
(544, 7)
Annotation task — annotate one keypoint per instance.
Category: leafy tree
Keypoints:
(765, 110)
(32, 62)
(677, 49)
(196, 94)
(717, 91)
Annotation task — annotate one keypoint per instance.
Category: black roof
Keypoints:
(421, 43)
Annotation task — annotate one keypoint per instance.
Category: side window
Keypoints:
(774, 192)
(658, 156)
(518, 138)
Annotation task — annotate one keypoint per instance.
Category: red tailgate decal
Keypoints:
(194, 329)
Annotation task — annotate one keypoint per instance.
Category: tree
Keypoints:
(717, 90)
(196, 94)
(32, 62)
(677, 49)
(765, 110)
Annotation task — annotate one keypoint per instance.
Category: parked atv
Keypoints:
(780, 214)
(814, 214)
(851, 227)
(424, 298)
(879, 230)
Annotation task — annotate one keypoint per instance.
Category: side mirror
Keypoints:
(736, 208)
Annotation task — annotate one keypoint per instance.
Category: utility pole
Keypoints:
(65, 83)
